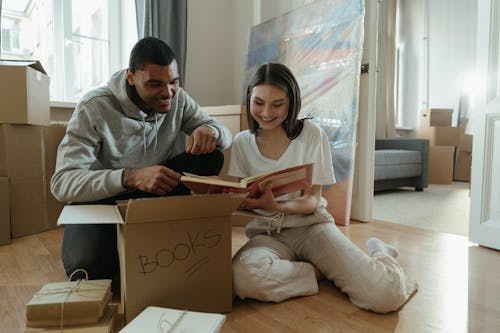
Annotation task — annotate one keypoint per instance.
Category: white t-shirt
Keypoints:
(311, 146)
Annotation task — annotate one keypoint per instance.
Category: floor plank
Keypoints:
(459, 285)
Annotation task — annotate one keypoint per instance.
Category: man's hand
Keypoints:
(201, 141)
(156, 179)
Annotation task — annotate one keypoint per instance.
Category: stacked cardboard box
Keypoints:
(28, 148)
(436, 126)
(463, 158)
(4, 211)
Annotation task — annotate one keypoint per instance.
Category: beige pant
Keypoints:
(278, 267)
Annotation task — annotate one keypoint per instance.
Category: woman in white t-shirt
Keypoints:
(299, 243)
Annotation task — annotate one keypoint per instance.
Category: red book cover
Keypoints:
(284, 181)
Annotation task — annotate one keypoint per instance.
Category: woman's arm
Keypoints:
(305, 204)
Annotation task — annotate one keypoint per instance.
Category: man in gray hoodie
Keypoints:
(130, 139)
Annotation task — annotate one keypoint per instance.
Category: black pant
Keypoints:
(93, 246)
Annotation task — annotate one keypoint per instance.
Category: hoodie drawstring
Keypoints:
(277, 217)
(144, 136)
(144, 141)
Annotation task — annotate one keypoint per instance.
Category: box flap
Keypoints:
(181, 207)
(89, 214)
(35, 64)
(225, 110)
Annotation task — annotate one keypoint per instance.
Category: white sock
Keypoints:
(374, 244)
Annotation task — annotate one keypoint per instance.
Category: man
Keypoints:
(130, 139)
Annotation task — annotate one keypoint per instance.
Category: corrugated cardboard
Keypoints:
(4, 211)
(463, 162)
(441, 164)
(229, 116)
(24, 93)
(72, 302)
(440, 135)
(465, 143)
(53, 136)
(109, 323)
(174, 251)
(436, 117)
(23, 158)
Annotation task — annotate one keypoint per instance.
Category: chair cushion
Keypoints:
(392, 164)
(393, 156)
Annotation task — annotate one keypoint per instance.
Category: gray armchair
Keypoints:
(401, 162)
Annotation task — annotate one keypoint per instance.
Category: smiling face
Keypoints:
(155, 86)
(269, 106)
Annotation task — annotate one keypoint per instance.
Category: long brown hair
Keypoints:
(280, 76)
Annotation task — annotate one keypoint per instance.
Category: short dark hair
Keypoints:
(150, 50)
(280, 76)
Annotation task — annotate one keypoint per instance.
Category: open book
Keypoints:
(283, 181)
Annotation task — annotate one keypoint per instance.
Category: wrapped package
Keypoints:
(107, 324)
(163, 320)
(68, 303)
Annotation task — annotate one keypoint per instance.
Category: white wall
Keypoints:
(445, 31)
(210, 52)
(217, 42)
(411, 44)
(452, 51)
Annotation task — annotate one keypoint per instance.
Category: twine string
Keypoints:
(71, 288)
(171, 325)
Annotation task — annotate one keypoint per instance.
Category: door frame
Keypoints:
(484, 224)
(362, 188)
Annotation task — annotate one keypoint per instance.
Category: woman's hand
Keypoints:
(266, 201)
(305, 204)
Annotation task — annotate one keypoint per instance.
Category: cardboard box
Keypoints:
(440, 135)
(463, 162)
(228, 116)
(109, 323)
(24, 93)
(436, 117)
(441, 164)
(53, 136)
(23, 158)
(465, 143)
(4, 211)
(174, 251)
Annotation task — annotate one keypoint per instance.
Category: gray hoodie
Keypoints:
(108, 132)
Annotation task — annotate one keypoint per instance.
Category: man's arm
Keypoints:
(78, 176)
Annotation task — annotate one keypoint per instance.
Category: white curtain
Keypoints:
(386, 61)
(166, 20)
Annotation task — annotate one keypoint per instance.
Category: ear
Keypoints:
(130, 77)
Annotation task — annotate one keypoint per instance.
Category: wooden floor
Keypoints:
(459, 287)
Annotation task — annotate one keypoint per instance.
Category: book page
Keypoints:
(212, 180)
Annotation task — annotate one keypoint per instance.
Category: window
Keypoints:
(78, 42)
(10, 35)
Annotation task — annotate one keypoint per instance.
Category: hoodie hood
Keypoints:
(117, 84)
